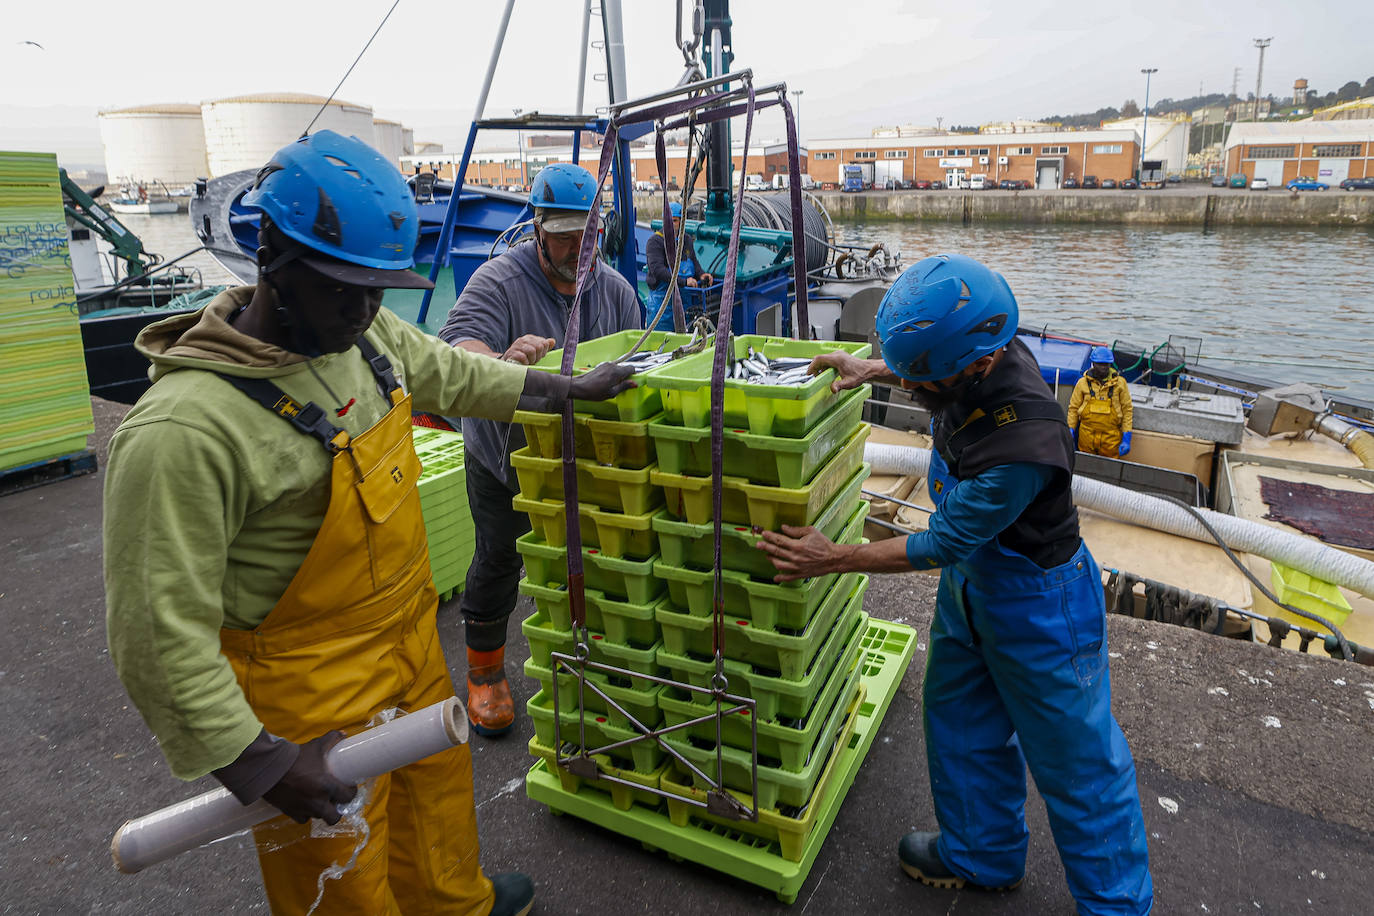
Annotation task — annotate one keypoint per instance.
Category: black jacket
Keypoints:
(658, 271)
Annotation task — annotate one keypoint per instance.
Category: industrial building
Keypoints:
(1042, 158)
(152, 144)
(1329, 151)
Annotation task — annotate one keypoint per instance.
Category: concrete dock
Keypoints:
(1255, 771)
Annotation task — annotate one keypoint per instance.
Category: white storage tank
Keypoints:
(244, 131)
(152, 144)
(407, 141)
(390, 142)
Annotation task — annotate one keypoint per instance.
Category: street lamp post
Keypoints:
(1145, 124)
(796, 107)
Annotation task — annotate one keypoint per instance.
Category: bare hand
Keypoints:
(528, 350)
(851, 371)
(800, 552)
(707, 279)
(691, 282)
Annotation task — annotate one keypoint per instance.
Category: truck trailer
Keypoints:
(1152, 173)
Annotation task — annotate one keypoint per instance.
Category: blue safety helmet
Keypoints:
(942, 314)
(1102, 355)
(347, 207)
(675, 209)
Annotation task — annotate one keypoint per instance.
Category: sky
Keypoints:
(858, 63)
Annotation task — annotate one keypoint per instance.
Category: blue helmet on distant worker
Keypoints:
(343, 209)
(943, 313)
(675, 209)
(1100, 355)
(561, 196)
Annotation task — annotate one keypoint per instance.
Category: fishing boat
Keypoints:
(143, 207)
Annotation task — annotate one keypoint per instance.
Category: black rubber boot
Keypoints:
(919, 853)
(514, 894)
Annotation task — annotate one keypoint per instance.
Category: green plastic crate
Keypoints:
(635, 404)
(765, 410)
(785, 653)
(544, 638)
(601, 729)
(621, 621)
(552, 602)
(770, 605)
(629, 580)
(771, 460)
(773, 697)
(787, 744)
(776, 786)
(615, 533)
(625, 490)
(641, 702)
(623, 797)
(614, 443)
(745, 503)
(544, 434)
(693, 546)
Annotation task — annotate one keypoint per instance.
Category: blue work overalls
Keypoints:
(1017, 676)
(685, 271)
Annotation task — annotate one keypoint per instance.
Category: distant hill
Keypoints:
(1351, 90)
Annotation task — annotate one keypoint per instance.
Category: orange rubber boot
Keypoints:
(490, 707)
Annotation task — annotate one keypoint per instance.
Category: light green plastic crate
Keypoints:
(693, 546)
(787, 744)
(629, 580)
(635, 404)
(544, 638)
(773, 697)
(615, 533)
(771, 460)
(782, 652)
(771, 605)
(641, 702)
(601, 729)
(765, 410)
(745, 503)
(614, 443)
(621, 621)
(625, 490)
(623, 797)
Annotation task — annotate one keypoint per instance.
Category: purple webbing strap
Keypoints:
(669, 232)
(668, 109)
(802, 328)
(723, 321)
(577, 596)
(718, 114)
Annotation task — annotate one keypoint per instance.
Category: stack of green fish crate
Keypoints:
(444, 504)
(45, 400)
(617, 503)
(793, 454)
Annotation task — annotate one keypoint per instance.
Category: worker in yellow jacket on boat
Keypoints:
(1100, 415)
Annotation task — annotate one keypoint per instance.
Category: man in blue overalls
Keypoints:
(1016, 673)
(658, 269)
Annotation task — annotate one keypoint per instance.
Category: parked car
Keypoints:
(923, 185)
(1108, 184)
(1069, 183)
(1130, 184)
(1302, 183)
(1239, 180)
(1358, 184)
(1259, 184)
(1174, 179)
(1090, 183)
(906, 185)
(1218, 181)
(1006, 184)
(937, 185)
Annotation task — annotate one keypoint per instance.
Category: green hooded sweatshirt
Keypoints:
(212, 502)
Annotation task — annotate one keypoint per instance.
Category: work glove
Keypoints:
(308, 789)
(1074, 432)
(602, 383)
(1125, 446)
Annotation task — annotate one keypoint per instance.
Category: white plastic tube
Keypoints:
(217, 814)
(1309, 556)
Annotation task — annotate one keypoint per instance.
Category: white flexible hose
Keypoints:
(1305, 555)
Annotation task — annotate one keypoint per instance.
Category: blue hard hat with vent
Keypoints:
(675, 208)
(563, 186)
(942, 314)
(339, 198)
(1102, 355)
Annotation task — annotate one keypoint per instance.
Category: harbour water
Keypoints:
(1290, 304)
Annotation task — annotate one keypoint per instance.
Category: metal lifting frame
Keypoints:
(691, 104)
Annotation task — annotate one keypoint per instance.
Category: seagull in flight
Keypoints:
(34, 43)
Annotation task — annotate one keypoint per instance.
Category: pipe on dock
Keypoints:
(1309, 556)
(217, 814)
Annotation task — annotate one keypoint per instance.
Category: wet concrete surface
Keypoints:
(1255, 767)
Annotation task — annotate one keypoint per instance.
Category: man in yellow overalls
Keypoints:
(266, 566)
(1100, 414)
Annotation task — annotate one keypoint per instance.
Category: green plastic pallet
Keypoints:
(890, 647)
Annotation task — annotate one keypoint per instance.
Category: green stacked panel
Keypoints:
(45, 399)
(444, 504)
(792, 455)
